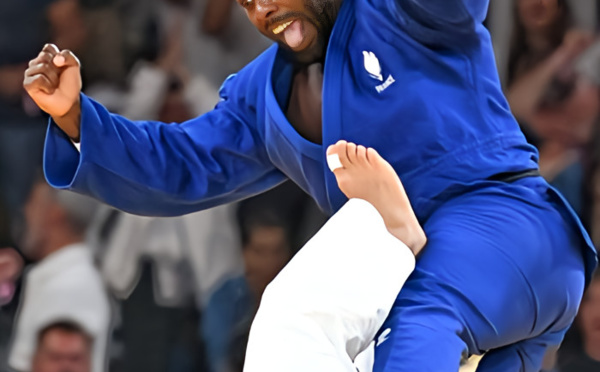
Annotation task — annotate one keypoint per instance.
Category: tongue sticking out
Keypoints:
(293, 34)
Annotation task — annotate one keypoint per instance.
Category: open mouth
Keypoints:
(279, 29)
(292, 32)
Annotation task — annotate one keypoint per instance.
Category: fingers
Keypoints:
(42, 75)
(46, 69)
(51, 55)
(40, 83)
(51, 49)
(66, 58)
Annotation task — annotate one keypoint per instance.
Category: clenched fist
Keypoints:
(53, 80)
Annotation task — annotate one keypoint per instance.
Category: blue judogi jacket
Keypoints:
(414, 79)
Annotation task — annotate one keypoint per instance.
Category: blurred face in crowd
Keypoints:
(11, 266)
(302, 27)
(62, 351)
(538, 15)
(39, 211)
(589, 313)
(265, 254)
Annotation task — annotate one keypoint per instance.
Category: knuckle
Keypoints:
(45, 57)
(38, 79)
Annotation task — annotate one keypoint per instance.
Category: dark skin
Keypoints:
(53, 78)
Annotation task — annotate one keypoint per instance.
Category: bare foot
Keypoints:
(364, 174)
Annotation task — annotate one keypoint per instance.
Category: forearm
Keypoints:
(70, 123)
(152, 168)
(525, 94)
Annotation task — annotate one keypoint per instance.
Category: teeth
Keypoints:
(279, 29)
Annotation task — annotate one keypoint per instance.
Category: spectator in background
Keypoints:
(11, 266)
(556, 107)
(219, 40)
(153, 264)
(64, 284)
(25, 25)
(228, 315)
(103, 52)
(63, 347)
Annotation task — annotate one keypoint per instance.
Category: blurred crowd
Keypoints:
(84, 287)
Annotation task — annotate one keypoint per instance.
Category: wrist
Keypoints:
(70, 122)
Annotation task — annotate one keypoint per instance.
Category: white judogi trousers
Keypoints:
(327, 304)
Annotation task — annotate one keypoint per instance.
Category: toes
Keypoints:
(333, 156)
(377, 161)
(340, 149)
(351, 152)
(336, 148)
(372, 155)
(361, 154)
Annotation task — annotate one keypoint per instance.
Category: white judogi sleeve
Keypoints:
(327, 304)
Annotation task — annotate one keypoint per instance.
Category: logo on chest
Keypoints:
(373, 67)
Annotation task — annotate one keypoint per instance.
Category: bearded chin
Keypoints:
(323, 14)
(316, 53)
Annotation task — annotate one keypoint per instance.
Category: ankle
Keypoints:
(413, 238)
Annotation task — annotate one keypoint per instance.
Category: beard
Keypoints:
(322, 15)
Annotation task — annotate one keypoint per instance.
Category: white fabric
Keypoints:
(327, 304)
(149, 85)
(63, 286)
(333, 161)
(207, 241)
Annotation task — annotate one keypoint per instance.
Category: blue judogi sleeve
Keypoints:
(439, 22)
(153, 168)
(446, 13)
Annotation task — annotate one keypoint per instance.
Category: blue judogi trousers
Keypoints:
(502, 273)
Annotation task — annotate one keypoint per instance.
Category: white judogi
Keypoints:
(65, 286)
(327, 304)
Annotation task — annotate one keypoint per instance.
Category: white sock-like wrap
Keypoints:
(333, 161)
(327, 304)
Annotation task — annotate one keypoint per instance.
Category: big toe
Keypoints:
(337, 156)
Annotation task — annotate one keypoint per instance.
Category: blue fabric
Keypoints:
(228, 309)
(444, 109)
(441, 121)
(501, 272)
(417, 81)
